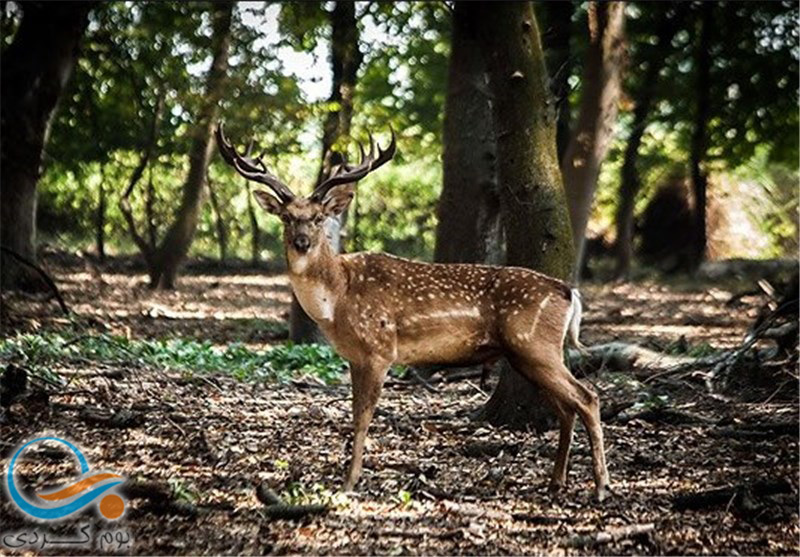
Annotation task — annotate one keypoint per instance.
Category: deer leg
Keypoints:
(367, 382)
(566, 419)
(553, 376)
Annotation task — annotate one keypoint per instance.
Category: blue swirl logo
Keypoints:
(66, 500)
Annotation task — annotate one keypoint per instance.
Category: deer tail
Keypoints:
(574, 320)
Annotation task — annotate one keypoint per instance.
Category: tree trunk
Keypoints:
(700, 134)
(147, 246)
(598, 114)
(35, 69)
(255, 233)
(629, 176)
(178, 238)
(555, 41)
(468, 229)
(222, 233)
(100, 216)
(532, 200)
(345, 61)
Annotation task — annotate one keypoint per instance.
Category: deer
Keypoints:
(377, 310)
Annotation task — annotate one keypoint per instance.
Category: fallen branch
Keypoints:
(120, 419)
(622, 356)
(276, 509)
(665, 415)
(611, 535)
(722, 496)
(543, 519)
(45, 277)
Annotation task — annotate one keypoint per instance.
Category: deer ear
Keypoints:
(268, 202)
(337, 199)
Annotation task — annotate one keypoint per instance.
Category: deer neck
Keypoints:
(318, 281)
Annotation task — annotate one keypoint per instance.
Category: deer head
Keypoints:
(303, 217)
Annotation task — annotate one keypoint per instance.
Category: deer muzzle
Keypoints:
(301, 243)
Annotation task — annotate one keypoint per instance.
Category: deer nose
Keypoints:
(301, 243)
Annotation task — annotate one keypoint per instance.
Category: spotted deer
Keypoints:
(377, 310)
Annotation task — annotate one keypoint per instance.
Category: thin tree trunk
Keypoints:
(345, 61)
(255, 233)
(178, 238)
(700, 133)
(594, 130)
(555, 41)
(629, 176)
(222, 233)
(532, 199)
(468, 228)
(35, 69)
(100, 216)
(147, 246)
(149, 211)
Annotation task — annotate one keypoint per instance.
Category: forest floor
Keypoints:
(434, 481)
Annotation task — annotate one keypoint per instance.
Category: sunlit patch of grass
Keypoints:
(297, 493)
(43, 351)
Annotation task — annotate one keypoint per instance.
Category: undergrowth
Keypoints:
(43, 351)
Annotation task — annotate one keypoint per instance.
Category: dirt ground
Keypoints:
(434, 482)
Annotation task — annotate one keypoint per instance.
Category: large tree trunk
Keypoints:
(700, 134)
(35, 69)
(629, 176)
(532, 200)
(598, 114)
(468, 229)
(555, 40)
(345, 61)
(179, 236)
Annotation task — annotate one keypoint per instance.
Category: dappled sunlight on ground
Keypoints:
(434, 481)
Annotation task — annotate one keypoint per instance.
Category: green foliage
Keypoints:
(315, 359)
(136, 53)
(43, 353)
(754, 118)
(404, 498)
(394, 210)
(297, 493)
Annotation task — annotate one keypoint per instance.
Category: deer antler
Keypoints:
(251, 168)
(347, 174)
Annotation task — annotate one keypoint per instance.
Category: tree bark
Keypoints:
(35, 69)
(532, 200)
(468, 229)
(700, 134)
(598, 114)
(558, 57)
(345, 61)
(178, 238)
(629, 176)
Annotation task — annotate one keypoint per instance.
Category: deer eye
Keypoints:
(285, 219)
(319, 219)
